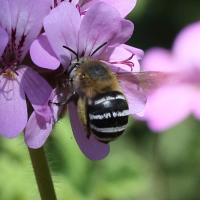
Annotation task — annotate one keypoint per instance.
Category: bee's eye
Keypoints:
(72, 69)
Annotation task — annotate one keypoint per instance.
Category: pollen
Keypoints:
(9, 73)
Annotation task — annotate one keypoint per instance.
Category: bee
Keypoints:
(102, 106)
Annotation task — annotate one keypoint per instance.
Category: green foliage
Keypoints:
(141, 165)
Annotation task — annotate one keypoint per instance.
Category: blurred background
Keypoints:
(142, 165)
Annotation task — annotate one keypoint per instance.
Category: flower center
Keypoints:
(10, 68)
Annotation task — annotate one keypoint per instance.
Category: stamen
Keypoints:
(78, 8)
(126, 62)
(9, 73)
(10, 69)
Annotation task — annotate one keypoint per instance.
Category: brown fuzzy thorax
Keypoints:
(94, 77)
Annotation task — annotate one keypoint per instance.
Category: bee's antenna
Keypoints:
(72, 52)
(98, 48)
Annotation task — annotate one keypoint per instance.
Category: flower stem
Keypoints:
(42, 174)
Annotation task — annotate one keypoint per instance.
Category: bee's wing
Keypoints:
(152, 80)
(149, 80)
(135, 95)
(92, 148)
(137, 85)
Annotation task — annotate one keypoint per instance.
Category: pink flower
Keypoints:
(20, 24)
(124, 7)
(172, 104)
(64, 26)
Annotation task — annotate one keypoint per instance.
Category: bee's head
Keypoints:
(76, 63)
(80, 60)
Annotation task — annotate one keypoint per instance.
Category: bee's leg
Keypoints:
(73, 96)
(83, 116)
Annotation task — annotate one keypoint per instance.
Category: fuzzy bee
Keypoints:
(102, 105)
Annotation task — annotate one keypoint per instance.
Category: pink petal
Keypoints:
(3, 40)
(196, 105)
(186, 46)
(124, 33)
(74, 2)
(13, 108)
(65, 21)
(42, 54)
(37, 129)
(138, 52)
(168, 106)
(92, 148)
(22, 20)
(37, 89)
(94, 28)
(124, 7)
(159, 59)
(140, 114)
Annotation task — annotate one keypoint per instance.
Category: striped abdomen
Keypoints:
(108, 116)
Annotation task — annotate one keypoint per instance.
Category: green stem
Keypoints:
(42, 174)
